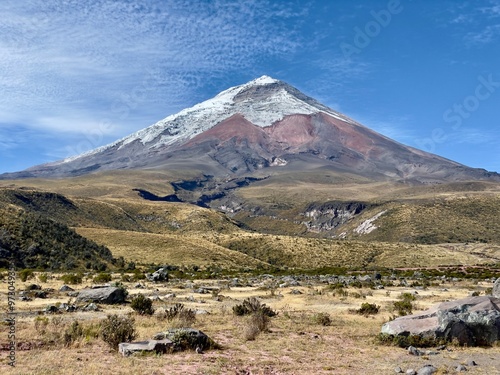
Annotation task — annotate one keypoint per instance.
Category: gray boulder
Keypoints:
(108, 295)
(187, 338)
(157, 346)
(66, 288)
(473, 321)
(496, 289)
(159, 275)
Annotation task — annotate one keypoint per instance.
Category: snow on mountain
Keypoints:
(278, 100)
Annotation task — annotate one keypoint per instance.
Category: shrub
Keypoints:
(116, 329)
(257, 322)
(251, 306)
(142, 305)
(25, 274)
(405, 305)
(259, 316)
(73, 333)
(179, 316)
(43, 277)
(322, 319)
(102, 277)
(41, 323)
(368, 309)
(71, 278)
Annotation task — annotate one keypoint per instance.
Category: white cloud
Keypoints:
(59, 60)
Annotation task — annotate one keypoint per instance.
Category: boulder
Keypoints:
(108, 295)
(159, 275)
(66, 288)
(187, 338)
(472, 321)
(157, 346)
(496, 289)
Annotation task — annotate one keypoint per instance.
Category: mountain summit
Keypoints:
(264, 124)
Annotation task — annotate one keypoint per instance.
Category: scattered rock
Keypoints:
(157, 346)
(427, 370)
(33, 287)
(90, 307)
(411, 371)
(398, 370)
(108, 295)
(461, 368)
(66, 288)
(51, 309)
(472, 321)
(158, 276)
(471, 363)
(414, 351)
(295, 291)
(40, 294)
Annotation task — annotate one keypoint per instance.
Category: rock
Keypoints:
(169, 296)
(90, 307)
(186, 338)
(398, 370)
(414, 351)
(66, 288)
(472, 321)
(157, 346)
(496, 289)
(40, 294)
(295, 291)
(411, 371)
(51, 309)
(66, 307)
(33, 287)
(108, 295)
(158, 276)
(427, 370)
(471, 363)
(461, 368)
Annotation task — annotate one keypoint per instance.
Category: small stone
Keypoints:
(471, 363)
(414, 351)
(461, 368)
(411, 372)
(398, 370)
(66, 288)
(427, 370)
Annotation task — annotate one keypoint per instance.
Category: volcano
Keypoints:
(264, 126)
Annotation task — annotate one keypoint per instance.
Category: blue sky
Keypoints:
(75, 75)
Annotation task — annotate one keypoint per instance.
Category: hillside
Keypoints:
(31, 240)
(427, 228)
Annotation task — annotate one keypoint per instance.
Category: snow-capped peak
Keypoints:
(263, 111)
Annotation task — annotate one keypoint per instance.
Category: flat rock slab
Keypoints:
(108, 295)
(496, 288)
(149, 346)
(472, 321)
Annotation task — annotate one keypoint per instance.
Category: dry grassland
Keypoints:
(295, 344)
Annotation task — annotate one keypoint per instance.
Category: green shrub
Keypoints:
(43, 277)
(322, 319)
(368, 309)
(72, 278)
(404, 306)
(253, 305)
(25, 274)
(142, 305)
(72, 333)
(179, 316)
(116, 329)
(102, 277)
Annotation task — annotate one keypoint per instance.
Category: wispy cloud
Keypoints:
(61, 60)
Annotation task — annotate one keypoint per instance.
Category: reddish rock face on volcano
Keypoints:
(268, 125)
